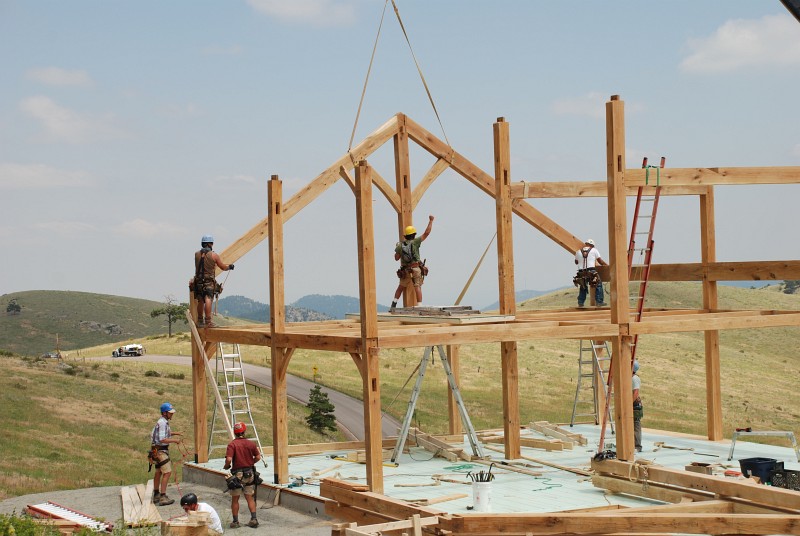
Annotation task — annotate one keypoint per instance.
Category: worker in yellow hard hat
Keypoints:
(412, 269)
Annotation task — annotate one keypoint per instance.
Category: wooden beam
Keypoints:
(454, 417)
(402, 171)
(718, 176)
(620, 368)
(571, 189)
(199, 394)
(369, 327)
(277, 322)
(433, 173)
(386, 190)
(505, 271)
(621, 522)
(719, 271)
(719, 321)
(768, 495)
(656, 492)
(484, 181)
(708, 252)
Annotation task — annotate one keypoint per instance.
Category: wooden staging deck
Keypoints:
(345, 335)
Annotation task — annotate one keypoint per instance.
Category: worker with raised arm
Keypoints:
(204, 283)
(588, 258)
(412, 270)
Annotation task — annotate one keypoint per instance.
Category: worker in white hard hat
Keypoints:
(588, 258)
(412, 269)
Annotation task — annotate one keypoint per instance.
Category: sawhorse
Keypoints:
(472, 437)
(789, 435)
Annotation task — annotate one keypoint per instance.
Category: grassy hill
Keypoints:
(79, 320)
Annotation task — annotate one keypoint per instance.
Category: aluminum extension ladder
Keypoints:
(233, 390)
(644, 196)
(593, 365)
(472, 437)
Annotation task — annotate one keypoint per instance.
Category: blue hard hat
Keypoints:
(635, 366)
(166, 406)
(207, 239)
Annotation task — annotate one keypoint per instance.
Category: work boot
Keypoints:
(156, 495)
(234, 525)
(164, 500)
(252, 523)
(210, 324)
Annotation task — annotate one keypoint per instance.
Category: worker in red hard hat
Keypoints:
(241, 457)
(412, 269)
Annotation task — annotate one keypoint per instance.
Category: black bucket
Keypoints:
(760, 467)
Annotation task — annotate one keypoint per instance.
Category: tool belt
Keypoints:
(152, 457)
(586, 277)
(401, 273)
(638, 410)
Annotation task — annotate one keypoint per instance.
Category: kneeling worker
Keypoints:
(189, 504)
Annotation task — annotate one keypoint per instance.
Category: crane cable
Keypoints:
(416, 63)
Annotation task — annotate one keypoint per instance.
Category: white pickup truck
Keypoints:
(128, 350)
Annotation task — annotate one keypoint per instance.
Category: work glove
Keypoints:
(226, 466)
(230, 267)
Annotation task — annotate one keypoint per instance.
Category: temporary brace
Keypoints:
(472, 437)
(593, 362)
(232, 387)
(646, 254)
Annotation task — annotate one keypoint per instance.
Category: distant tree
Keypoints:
(173, 311)
(790, 287)
(321, 417)
(13, 308)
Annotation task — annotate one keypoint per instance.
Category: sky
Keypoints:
(130, 129)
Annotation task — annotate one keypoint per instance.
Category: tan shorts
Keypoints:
(412, 275)
(161, 456)
(247, 484)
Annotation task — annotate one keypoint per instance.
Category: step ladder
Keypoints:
(593, 366)
(472, 437)
(647, 195)
(232, 387)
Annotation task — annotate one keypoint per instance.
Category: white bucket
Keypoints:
(482, 496)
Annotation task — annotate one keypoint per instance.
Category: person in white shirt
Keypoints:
(189, 504)
(588, 258)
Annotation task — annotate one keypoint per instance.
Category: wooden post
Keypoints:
(402, 171)
(454, 417)
(708, 245)
(199, 395)
(618, 259)
(373, 440)
(505, 271)
(277, 322)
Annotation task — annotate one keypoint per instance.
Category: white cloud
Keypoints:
(773, 40)
(184, 111)
(36, 176)
(591, 105)
(55, 76)
(63, 124)
(65, 228)
(140, 228)
(314, 12)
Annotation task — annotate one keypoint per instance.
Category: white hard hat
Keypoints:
(589, 241)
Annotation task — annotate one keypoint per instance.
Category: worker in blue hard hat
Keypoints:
(204, 283)
(161, 437)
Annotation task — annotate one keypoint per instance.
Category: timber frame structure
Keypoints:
(364, 338)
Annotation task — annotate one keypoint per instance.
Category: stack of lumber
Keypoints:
(137, 505)
(438, 447)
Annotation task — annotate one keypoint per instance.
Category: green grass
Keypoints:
(92, 427)
(80, 320)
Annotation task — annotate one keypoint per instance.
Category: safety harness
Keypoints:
(586, 276)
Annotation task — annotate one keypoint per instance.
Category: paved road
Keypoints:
(349, 411)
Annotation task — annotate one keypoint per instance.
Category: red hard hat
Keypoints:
(239, 428)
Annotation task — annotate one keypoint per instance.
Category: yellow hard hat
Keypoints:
(410, 230)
